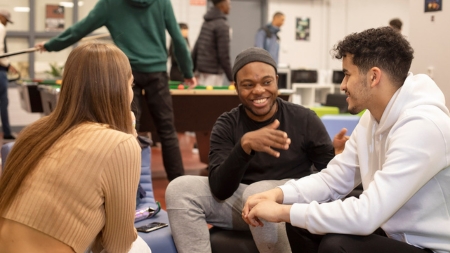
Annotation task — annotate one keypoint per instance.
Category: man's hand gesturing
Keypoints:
(266, 139)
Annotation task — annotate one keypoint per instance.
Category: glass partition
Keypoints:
(44, 61)
(20, 61)
(20, 14)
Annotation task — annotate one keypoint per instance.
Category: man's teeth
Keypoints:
(260, 101)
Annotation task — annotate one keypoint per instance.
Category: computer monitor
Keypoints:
(338, 76)
(303, 76)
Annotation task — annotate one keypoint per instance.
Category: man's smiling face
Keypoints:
(257, 87)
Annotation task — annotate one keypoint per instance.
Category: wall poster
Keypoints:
(433, 5)
(302, 27)
(54, 17)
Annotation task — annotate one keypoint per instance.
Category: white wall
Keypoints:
(21, 19)
(430, 40)
(331, 21)
(191, 15)
(358, 15)
(300, 54)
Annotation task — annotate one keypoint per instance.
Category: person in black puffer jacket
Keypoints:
(211, 54)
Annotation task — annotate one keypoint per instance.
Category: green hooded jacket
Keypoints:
(138, 28)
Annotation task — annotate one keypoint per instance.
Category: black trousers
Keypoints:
(159, 102)
(301, 240)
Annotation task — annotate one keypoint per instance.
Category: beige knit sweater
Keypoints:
(84, 186)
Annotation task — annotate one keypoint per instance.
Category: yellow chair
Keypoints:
(323, 110)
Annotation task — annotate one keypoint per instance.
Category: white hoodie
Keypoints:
(403, 164)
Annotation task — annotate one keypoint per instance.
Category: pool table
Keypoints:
(38, 95)
(196, 110)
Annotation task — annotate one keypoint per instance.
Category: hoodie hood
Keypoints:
(141, 3)
(417, 90)
(214, 13)
(273, 28)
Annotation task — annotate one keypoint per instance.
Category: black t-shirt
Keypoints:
(229, 165)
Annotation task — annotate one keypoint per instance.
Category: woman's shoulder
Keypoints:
(100, 134)
(98, 142)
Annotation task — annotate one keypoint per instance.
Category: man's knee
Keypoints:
(185, 187)
(259, 187)
(333, 243)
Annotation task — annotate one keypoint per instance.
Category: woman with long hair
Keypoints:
(70, 181)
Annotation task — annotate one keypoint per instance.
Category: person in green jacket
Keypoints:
(138, 28)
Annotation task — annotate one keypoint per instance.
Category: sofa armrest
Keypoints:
(6, 148)
(146, 180)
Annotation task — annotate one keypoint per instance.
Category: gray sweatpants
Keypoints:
(191, 206)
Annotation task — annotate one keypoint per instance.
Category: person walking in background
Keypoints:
(267, 36)
(5, 66)
(175, 73)
(138, 28)
(211, 53)
(396, 24)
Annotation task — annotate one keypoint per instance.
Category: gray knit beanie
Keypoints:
(253, 54)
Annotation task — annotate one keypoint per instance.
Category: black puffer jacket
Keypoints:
(211, 52)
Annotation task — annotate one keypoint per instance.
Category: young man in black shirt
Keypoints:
(258, 145)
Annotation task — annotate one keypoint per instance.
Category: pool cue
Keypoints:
(32, 49)
(28, 50)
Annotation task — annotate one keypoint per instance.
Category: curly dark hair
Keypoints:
(396, 24)
(378, 47)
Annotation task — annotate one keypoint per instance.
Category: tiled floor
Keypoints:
(191, 162)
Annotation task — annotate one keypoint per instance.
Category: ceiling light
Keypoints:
(66, 4)
(70, 4)
(22, 9)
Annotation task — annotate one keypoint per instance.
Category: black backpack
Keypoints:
(268, 32)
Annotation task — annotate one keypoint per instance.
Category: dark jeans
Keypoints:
(301, 240)
(159, 101)
(4, 103)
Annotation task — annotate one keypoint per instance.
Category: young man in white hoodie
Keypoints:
(400, 151)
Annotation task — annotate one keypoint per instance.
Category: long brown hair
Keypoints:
(94, 89)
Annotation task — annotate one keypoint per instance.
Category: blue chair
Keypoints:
(334, 123)
(160, 241)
